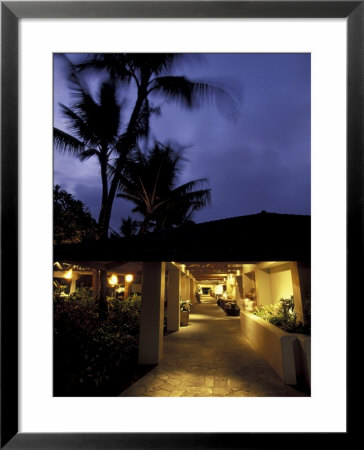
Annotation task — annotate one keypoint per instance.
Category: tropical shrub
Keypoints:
(282, 315)
(72, 221)
(185, 305)
(94, 356)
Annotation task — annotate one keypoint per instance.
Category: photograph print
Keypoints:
(181, 225)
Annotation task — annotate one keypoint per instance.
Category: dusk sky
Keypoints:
(259, 160)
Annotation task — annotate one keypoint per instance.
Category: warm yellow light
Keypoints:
(218, 289)
(113, 280)
(129, 278)
(68, 274)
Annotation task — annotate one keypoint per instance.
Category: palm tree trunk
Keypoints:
(105, 188)
(105, 213)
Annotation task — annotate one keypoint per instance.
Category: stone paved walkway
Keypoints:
(210, 358)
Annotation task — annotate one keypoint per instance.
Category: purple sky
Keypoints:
(259, 161)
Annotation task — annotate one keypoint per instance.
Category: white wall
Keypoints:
(281, 284)
(263, 286)
(248, 283)
(273, 283)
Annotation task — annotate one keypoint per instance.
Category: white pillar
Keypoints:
(183, 286)
(152, 313)
(75, 277)
(173, 294)
(192, 292)
(301, 283)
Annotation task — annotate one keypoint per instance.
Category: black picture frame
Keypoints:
(11, 12)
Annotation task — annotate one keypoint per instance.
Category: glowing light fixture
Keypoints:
(129, 278)
(113, 280)
(68, 274)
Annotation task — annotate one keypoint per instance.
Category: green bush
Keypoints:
(94, 356)
(282, 315)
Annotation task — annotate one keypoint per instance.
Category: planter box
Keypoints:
(185, 315)
(232, 310)
(275, 345)
(224, 303)
(303, 360)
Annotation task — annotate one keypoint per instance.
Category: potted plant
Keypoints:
(232, 309)
(185, 312)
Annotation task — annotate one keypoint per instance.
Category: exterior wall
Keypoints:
(303, 360)
(218, 289)
(248, 283)
(288, 354)
(263, 286)
(185, 291)
(192, 296)
(275, 345)
(136, 288)
(173, 292)
(304, 280)
(281, 283)
(298, 282)
(231, 287)
(274, 283)
(239, 288)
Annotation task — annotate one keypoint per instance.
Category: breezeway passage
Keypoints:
(210, 358)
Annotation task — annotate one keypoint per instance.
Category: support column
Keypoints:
(263, 288)
(192, 292)
(301, 283)
(75, 277)
(152, 313)
(183, 286)
(173, 293)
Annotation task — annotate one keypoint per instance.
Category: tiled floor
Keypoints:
(210, 358)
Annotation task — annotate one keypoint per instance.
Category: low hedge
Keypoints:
(94, 356)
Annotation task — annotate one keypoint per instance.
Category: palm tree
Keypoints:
(150, 182)
(152, 76)
(94, 124)
(129, 227)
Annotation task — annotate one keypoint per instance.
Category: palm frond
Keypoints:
(114, 64)
(194, 94)
(64, 142)
(87, 154)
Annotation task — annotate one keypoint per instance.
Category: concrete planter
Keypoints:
(185, 316)
(232, 309)
(303, 360)
(287, 353)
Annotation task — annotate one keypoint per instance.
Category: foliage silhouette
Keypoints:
(72, 221)
(149, 181)
(152, 76)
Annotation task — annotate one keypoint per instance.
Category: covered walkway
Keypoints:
(210, 358)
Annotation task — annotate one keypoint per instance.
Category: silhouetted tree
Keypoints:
(129, 227)
(72, 222)
(94, 124)
(151, 75)
(150, 182)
